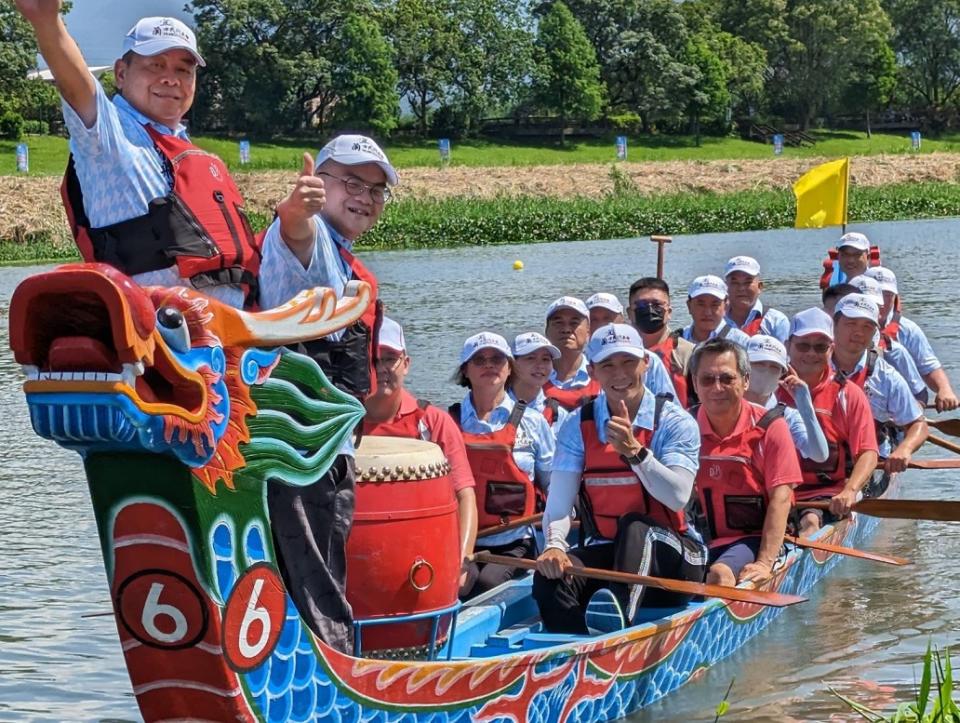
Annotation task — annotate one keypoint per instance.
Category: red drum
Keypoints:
(403, 554)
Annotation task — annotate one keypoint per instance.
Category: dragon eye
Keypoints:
(173, 328)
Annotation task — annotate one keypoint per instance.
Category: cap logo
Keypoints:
(168, 29)
(365, 147)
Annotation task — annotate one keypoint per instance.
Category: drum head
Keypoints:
(384, 458)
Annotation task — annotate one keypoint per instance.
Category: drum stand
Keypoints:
(409, 653)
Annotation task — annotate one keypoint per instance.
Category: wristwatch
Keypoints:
(638, 458)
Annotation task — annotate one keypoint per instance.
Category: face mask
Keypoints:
(763, 382)
(649, 319)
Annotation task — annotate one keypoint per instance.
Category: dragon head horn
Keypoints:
(311, 314)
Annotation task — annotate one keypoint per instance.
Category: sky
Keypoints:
(99, 25)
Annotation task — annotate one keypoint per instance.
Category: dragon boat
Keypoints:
(181, 409)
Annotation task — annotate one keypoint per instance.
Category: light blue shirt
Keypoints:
(889, 396)
(734, 335)
(539, 404)
(675, 442)
(899, 358)
(657, 378)
(798, 430)
(915, 341)
(533, 449)
(121, 172)
(775, 323)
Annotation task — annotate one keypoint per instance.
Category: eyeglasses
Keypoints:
(356, 187)
(804, 346)
(493, 360)
(643, 304)
(725, 380)
(388, 363)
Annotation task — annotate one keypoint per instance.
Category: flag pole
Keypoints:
(846, 199)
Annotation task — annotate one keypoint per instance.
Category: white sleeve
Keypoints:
(816, 448)
(560, 500)
(671, 486)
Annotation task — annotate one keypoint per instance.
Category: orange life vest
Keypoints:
(827, 478)
(570, 399)
(504, 491)
(609, 488)
(200, 225)
(730, 488)
(665, 350)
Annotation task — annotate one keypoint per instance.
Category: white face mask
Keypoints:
(763, 382)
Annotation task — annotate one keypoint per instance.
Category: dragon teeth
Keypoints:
(34, 374)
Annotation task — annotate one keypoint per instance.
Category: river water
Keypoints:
(863, 631)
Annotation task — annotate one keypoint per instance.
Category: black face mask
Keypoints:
(649, 318)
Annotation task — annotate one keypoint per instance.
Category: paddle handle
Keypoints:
(660, 241)
(758, 597)
(941, 442)
(511, 525)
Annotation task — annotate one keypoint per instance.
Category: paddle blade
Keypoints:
(934, 463)
(948, 426)
(848, 551)
(940, 510)
(757, 597)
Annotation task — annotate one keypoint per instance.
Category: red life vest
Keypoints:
(551, 410)
(200, 225)
(504, 491)
(892, 329)
(665, 350)
(827, 478)
(873, 259)
(753, 327)
(350, 361)
(609, 488)
(860, 376)
(570, 399)
(730, 488)
(409, 426)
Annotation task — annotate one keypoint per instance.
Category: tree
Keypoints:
(18, 53)
(708, 97)
(365, 80)
(927, 44)
(872, 83)
(745, 68)
(568, 77)
(426, 44)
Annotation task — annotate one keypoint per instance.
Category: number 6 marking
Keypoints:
(254, 614)
(153, 609)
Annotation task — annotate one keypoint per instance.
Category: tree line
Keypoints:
(277, 67)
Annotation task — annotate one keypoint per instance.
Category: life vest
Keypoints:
(504, 491)
(860, 376)
(200, 225)
(753, 327)
(609, 488)
(410, 426)
(551, 410)
(350, 361)
(873, 259)
(665, 350)
(730, 488)
(827, 478)
(892, 329)
(570, 399)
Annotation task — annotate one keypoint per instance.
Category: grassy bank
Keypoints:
(468, 222)
(48, 154)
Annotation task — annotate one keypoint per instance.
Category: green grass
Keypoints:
(48, 154)
(468, 222)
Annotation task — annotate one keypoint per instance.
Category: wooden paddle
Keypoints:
(934, 464)
(757, 597)
(950, 426)
(848, 551)
(940, 510)
(945, 443)
(512, 525)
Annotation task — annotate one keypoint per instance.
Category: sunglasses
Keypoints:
(493, 360)
(804, 346)
(725, 380)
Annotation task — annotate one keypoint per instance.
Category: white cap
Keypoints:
(762, 348)
(854, 240)
(354, 150)
(746, 264)
(391, 335)
(152, 36)
(568, 302)
(613, 339)
(884, 276)
(530, 342)
(868, 287)
(812, 321)
(713, 285)
(605, 301)
(858, 306)
(484, 340)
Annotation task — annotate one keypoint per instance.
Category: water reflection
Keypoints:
(863, 630)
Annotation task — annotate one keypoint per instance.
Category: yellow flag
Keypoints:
(822, 195)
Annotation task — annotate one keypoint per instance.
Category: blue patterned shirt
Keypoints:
(734, 334)
(121, 172)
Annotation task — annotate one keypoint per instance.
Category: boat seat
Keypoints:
(510, 637)
(535, 641)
